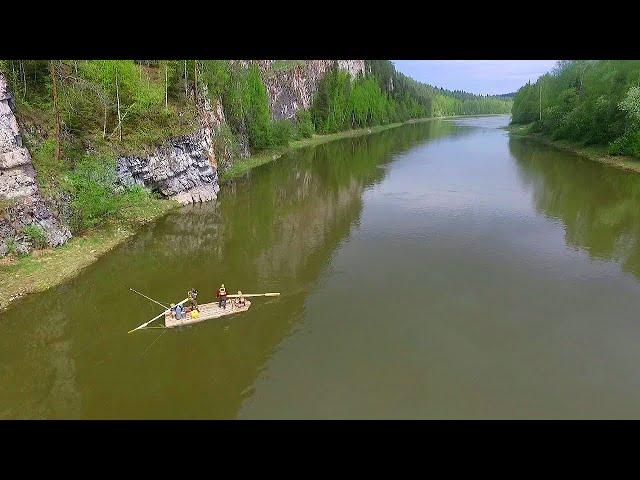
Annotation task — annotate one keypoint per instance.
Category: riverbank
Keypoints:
(46, 268)
(596, 153)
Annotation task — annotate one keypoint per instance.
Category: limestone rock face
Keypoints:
(293, 88)
(181, 169)
(17, 176)
(20, 202)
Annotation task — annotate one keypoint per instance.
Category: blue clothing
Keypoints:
(178, 310)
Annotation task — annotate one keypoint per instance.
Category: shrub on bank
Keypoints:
(304, 124)
(628, 144)
(36, 236)
(281, 133)
(92, 187)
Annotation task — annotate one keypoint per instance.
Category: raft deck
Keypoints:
(207, 312)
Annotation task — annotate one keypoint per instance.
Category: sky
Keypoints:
(476, 76)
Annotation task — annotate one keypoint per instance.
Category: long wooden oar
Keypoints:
(148, 298)
(157, 317)
(254, 295)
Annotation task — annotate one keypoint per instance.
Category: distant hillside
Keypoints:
(506, 96)
(436, 101)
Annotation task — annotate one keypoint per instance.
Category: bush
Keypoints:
(304, 124)
(281, 132)
(628, 144)
(35, 234)
(12, 246)
(92, 186)
(44, 160)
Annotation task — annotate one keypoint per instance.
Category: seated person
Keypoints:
(177, 311)
(240, 301)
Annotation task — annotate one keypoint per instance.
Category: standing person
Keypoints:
(222, 297)
(193, 294)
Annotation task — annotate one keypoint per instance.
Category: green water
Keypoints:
(436, 270)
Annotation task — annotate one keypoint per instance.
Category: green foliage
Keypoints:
(135, 87)
(12, 246)
(256, 108)
(587, 102)
(444, 106)
(35, 234)
(631, 105)
(216, 75)
(281, 132)
(96, 194)
(627, 144)
(44, 160)
(92, 186)
(304, 124)
(128, 106)
(384, 96)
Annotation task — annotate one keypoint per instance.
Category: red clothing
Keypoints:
(221, 295)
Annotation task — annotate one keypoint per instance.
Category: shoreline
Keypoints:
(595, 153)
(47, 268)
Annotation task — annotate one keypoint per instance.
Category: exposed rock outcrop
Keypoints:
(21, 204)
(291, 89)
(17, 175)
(183, 169)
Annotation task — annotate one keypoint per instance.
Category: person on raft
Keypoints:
(193, 294)
(222, 297)
(177, 311)
(240, 301)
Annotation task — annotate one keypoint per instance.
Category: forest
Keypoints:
(79, 115)
(589, 102)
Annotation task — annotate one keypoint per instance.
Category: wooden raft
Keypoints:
(207, 312)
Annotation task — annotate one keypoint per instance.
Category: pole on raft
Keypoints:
(148, 298)
(156, 317)
(254, 295)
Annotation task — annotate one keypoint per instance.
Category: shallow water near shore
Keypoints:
(435, 270)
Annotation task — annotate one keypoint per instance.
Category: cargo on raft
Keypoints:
(206, 311)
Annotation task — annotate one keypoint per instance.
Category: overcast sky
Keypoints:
(475, 76)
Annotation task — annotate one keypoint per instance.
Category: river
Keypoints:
(436, 270)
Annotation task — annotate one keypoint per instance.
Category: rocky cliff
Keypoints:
(292, 88)
(21, 204)
(185, 169)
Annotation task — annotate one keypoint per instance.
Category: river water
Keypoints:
(436, 270)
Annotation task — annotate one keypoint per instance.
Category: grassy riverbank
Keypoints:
(46, 268)
(597, 153)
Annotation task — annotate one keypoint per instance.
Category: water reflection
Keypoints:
(598, 205)
(65, 353)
